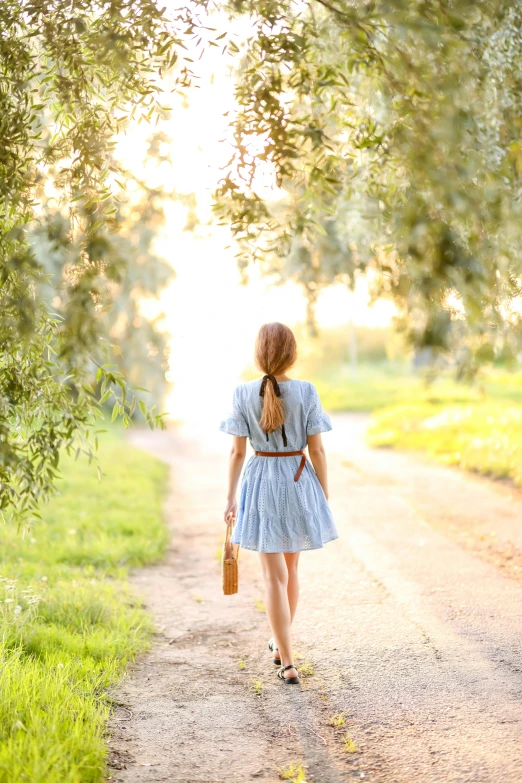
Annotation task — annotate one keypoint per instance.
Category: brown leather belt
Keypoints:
(286, 454)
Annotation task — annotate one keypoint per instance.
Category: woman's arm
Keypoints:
(318, 459)
(235, 463)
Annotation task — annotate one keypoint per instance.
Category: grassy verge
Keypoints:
(485, 437)
(69, 622)
(477, 427)
(382, 385)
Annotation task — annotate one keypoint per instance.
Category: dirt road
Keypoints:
(410, 623)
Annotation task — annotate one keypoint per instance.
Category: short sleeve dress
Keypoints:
(276, 513)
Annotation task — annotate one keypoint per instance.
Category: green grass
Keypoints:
(295, 773)
(477, 427)
(485, 437)
(348, 744)
(306, 669)
(337, 721)
(69, 622)
(379, 385)
(257, 686)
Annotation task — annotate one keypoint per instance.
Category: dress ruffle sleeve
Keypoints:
(317, 420)
(236, 423)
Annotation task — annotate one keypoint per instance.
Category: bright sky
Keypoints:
(212, 319)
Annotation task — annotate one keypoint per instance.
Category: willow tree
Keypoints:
(73, 74)
(138, 345)
(392, 132)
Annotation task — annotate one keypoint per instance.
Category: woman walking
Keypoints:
(283, 506)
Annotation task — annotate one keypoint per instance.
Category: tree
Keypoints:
(73, 74)
(139, 349)
(395, 127)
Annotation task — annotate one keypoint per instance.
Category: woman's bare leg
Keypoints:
(292, 562)
(275, 574)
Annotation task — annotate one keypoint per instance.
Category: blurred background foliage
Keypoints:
(137, 344)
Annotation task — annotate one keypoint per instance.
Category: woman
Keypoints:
(283, 507)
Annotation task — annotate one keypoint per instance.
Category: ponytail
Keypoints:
(273, 415)
(275, 352)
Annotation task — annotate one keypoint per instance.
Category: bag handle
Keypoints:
(228, 545)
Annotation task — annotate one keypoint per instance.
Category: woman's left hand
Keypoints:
(230, 511)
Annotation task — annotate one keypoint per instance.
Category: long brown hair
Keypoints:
(275, 352)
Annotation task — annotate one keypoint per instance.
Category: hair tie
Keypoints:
(275, 384)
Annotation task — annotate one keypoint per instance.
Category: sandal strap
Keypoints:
(282, 669)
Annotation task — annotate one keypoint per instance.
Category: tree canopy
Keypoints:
(392, 133)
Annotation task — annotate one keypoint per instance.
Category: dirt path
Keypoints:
(411, 622)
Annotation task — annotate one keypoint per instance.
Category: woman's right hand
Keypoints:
(230, 511)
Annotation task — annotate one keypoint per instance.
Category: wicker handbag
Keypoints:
(230, 565)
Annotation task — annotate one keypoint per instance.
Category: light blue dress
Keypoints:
(276, 513)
